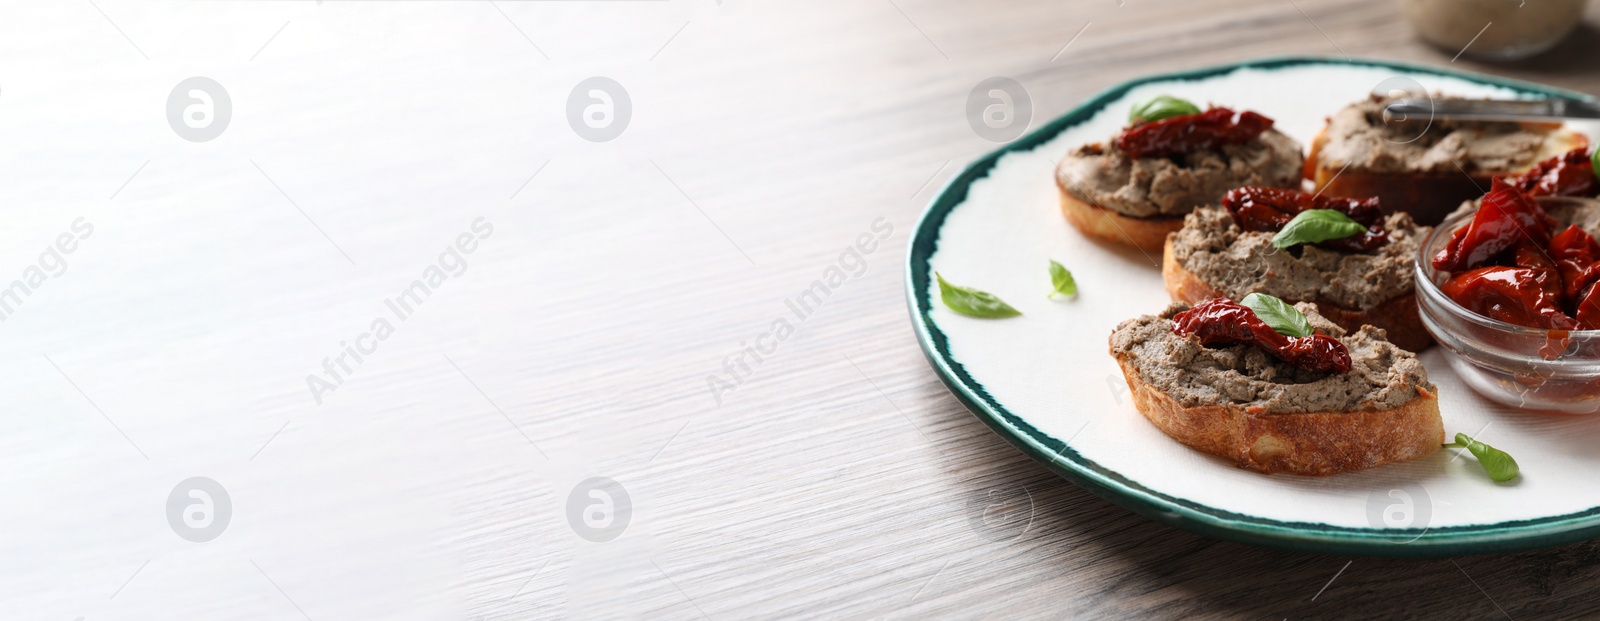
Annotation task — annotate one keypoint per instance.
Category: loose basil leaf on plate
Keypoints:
(1160, 107)
(972, 302)
(1062, 280)
(1279, 315)
(1595, 160)
(1316, 225)
(1500, 466)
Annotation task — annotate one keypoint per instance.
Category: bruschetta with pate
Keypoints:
(1345, 255)
(1301, 396)
(1422, 165)
(1137, 187)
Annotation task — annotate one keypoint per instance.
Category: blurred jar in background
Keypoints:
(1516, 28)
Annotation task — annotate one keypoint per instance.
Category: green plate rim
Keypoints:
(1066, 462)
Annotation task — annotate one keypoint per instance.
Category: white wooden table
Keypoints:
(429, 476)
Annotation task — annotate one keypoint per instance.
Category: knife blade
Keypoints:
(1491, 109)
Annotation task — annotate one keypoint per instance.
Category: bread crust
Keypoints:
(1397, 316)
(1427, 197)
(1147, 234)
(1312, 443)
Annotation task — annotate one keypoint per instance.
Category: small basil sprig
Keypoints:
(972, 302)
(1594, 160)
(1500, 466)
(1316, 225)
(1160, 107)
(1062, 280)
(1279, 315)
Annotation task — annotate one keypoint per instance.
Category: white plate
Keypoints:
(1046, 382)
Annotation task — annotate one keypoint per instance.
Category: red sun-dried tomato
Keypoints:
(1258, 208)
(1192, 132)
(1528, 255)
(1577, 258)
(1588, 313)
(1223, 322)
(1568, 174)
(1504, 216)
(1511, 294)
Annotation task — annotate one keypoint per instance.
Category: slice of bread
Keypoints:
(1306, 443)
(1427, 196)
(1148, 234)
(1398, 316)
(1242, 403)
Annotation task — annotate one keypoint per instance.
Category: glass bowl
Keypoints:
(1528, 368)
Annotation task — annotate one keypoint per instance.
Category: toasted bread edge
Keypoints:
(1147, 234)
(1313, 443)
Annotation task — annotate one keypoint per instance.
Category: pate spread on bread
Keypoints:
(1241, 403)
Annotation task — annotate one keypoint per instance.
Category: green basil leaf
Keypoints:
(1062, 280)
(1500, 466)
(1595, 161)
(972, 302)
(1282, 317)
(1316, 225)
(1160, 107)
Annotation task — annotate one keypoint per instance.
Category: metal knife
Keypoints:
(1492, 109)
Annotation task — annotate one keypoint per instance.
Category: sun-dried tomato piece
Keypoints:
(1258, 208)
(1516, 295)
(1223, 322)
(1528, 255)
(1588, 314)
(1577, 258)
(1364, 210)
(1568, 174)
(1192, 132)
(1504, 216)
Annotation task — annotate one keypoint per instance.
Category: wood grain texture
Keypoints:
(838, 480)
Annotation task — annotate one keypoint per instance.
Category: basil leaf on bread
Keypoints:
(1279, 315)
(1316, 225)
(1160, 107)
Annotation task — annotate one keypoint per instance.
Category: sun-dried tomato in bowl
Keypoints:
(1515, 263)
(1496, 294)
